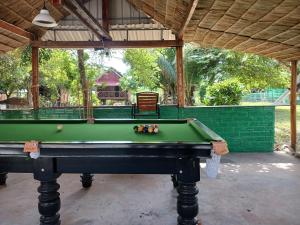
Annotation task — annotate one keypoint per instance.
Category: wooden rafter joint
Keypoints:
(16, 30)
(80, 11)
(190, 12)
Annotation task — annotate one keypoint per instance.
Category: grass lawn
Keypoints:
(282, 125)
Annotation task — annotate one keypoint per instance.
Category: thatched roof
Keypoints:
(20, 13)
(265, 27)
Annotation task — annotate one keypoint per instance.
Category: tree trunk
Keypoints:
(83, 80)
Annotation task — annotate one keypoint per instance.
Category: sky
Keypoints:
(115, 60)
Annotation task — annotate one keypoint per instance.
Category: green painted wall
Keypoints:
(245, 128)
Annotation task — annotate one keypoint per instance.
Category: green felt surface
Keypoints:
(182, 132)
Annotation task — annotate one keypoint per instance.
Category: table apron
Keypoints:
(101, 165)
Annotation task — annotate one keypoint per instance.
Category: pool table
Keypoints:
(106, 147)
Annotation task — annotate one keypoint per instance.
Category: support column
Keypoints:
(35, 77)
(293, 104)
(180, 76)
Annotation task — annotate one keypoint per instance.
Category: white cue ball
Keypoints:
(59, 127)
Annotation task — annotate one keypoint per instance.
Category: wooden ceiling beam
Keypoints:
(190, 12)
(16, 30)
(107, 44)
(72, 9)
(74, 6)
(5, 47)
(12, 40)
(16, 14)
(102, 31)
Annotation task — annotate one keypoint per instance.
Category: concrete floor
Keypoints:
(250, 189)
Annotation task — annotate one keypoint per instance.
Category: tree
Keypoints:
(13, 75)
(83, 80)
(57, 75)
(168, 78)
(256, 72)
(228, 92)
(143, 67)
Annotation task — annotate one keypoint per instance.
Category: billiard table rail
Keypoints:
(105, 149)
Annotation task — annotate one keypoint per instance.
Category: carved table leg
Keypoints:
(3, 177)
(49, 203)
(187, 203)
(49, 200)
(174, 180)
(86, 180)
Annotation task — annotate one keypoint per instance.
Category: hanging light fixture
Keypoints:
(44, 19)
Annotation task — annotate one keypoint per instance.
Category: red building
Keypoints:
(109, 87)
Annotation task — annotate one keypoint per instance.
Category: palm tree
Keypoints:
(168, 77)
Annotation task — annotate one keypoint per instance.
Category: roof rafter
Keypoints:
(16, 30)
(79, 10)
(190, 12)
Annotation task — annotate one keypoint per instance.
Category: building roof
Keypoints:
(270, 28)
(110, 78)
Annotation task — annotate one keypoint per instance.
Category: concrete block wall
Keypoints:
(245, 128)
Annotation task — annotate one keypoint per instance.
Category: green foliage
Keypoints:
(207, 66)
(144, 69)
(13, 75)
(25, 55)
(227, 92)
(256, 72)
(168, 75)
(129, 83)
(57, 74)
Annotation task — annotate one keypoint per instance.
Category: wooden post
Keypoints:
(293, 104)
(180, 76)
(105, 15)
(35, 77)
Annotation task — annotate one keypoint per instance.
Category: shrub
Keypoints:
(227, 92)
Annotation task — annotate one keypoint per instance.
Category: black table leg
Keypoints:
(187, 201)
(3, 177)
(86, 180)
(174, 180)
(49, 203)
(49, 200)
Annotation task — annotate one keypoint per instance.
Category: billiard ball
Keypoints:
(135, 128)
(150, 129)
(141, 129)
(146, 129)
(59, 127)
(155, 130)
